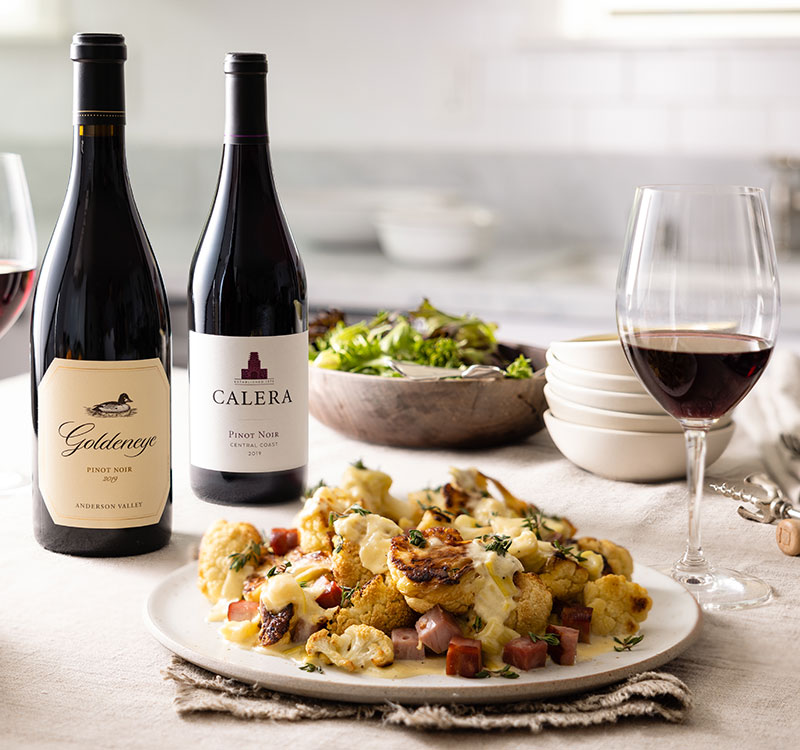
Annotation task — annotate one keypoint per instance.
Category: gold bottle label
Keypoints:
(104, 442)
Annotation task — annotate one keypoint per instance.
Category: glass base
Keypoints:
(10, 481)
(722, 588)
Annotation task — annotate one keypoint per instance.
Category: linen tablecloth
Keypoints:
(78, 668)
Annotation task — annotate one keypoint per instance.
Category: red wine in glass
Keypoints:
(697, 374)
(15, 287)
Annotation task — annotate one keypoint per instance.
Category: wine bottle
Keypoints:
(248, 320)
(100, 342)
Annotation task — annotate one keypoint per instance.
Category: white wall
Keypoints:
(460, 75)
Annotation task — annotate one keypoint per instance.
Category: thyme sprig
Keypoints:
(499, 543)
(347, 595)
(478, 624)
(535, 522)
(626, 644)
(551, 639)
(309, 667)
(251, 553)
(567, 552)
(358, 464)
(506, 672)
(278, 569)
(311, 489)
(335, 515)
(416, 538)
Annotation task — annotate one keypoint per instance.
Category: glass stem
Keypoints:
(693, 567)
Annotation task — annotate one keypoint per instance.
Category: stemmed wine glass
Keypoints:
(17, 263)
(697, 312)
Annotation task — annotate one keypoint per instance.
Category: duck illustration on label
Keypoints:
(119, 408)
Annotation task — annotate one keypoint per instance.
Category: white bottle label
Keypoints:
(104, 442)
(248, 402)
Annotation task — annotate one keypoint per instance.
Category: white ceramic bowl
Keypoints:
(590, 379)
(600, 353)
(434, 236)
(570, 411)
(333, 217)
(630, 456)
(632, 403)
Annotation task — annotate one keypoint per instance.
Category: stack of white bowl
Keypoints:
(603, 420)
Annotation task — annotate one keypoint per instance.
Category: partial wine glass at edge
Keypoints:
(17, 266)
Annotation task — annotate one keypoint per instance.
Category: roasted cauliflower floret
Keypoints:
(434, 517)
(315, 521)
(420, 500)
(379, 604)
(534, 604)
(221, 540)
(432, 567)
(370, 489)
(564, 577)
(356, 648)
(618, 605)
(618, 559)
(530, 551)
(346, 564)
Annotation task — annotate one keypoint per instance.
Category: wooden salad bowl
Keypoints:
(429, 414)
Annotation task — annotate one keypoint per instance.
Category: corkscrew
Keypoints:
(762, 494)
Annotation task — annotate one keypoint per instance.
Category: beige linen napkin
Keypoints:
(655, 694)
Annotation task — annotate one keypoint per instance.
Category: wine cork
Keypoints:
(787, 535)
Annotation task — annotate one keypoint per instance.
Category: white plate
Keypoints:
(175, 614)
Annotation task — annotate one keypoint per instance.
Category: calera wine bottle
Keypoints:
(100, 343)
(248, 323)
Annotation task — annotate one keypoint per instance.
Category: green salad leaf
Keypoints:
(426, 336)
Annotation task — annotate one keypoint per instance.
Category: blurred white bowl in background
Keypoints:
(434, 236)
(630, 456)
(600, 353)
(336, 217)
(632, 403)
(591, 379)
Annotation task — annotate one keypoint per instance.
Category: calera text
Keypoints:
(251, 398)
(83, 437)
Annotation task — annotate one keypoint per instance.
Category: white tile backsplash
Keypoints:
(419, 75)
(576, 76)
(674, 77)
(723, 130)
(623, 128)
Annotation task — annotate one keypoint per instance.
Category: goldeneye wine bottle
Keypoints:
(248, 320)
(100, 342)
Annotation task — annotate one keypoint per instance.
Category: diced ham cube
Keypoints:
(436, 627)
(282, 540)
(331, 595)
(464, 657)
(406, 645)
(567, 649)
(579, 618)
(303, 629)
(523, 653)
(242, 610)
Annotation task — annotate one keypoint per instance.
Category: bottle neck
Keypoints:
(99, 122)
(245, 109)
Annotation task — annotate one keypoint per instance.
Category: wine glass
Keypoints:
(697, 312)
(17, 263)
